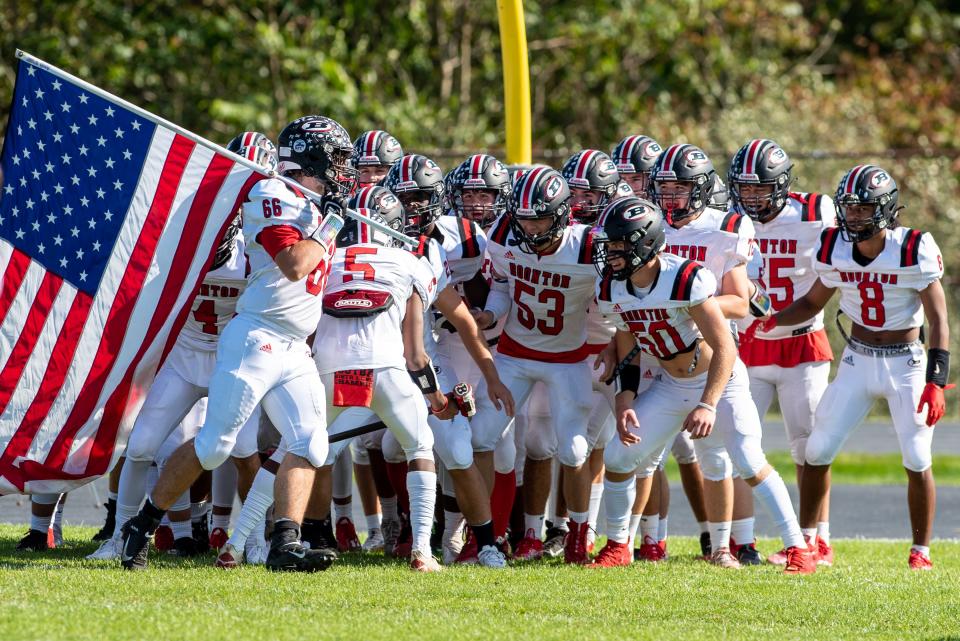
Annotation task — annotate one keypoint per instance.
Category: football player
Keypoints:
(374, 153)
(888, 278)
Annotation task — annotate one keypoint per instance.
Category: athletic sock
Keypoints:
(343, 511)
(704, 526)
(221, 521)
(741, 530)
(619, 499)
(719, 535)
(134, 479)
(389, 508)
(634, 528)
(259, 500)
(578, 517)
(533, 522)
(773, 494)
(922, 549)
(112, 496)
(484, 534)
(452, 523)
(40, 523)
(501, 501)
(374, 521)
(596, 495)
(649, 528)
(422, 490)
(823, 531)
(182, 529)
(662, 530)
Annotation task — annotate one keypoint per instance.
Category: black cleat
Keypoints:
(136, 536)
(317, 534)
(553, 543)
(748, 555)
(34, 541)
(185, 547)
(705, 549)
(294, 557)
(110, 524)
(201, 536)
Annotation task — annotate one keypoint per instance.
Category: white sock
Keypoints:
(165, 521)
(649, 527)
(772, 493)
(221, 521)
(389, 508)
(259, 500)
(596, 494)
(182, 503)
(634, 527)
(133, 488)
(422, 488)
(662, 530)
(922, 549)
(198, 511)
(809, 534)
(578, 517)
(57, 522)
(341, 511)
(741, 530)
(452, 523)
(112, 495)
(619, 497)
(181, 529)
(40, 523)
(704, 526)
(533, 522)
(823, 531)
(373, 521)
(719, 535)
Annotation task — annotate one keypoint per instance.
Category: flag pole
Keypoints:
(200, 140)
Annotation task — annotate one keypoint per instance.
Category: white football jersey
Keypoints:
(599, 328)
(659, 318)
(289, 308)
(717, 240)
(788, 244)
(548, 318)
(464, 245)
(370, 342)
(884, 294)
(216, 302)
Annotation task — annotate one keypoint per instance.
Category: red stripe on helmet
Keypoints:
(405, 168)
(854, 174)
(476, 165)
(247, 136)
(364, 200)
(669, 157)
(584, 162)
(627, 150)
(751, 165)
(531, 179)
(371, 142)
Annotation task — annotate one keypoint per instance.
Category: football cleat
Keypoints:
(451, 544)
(800, 561)
(391, 533)
(553, 544)
(721, 557)
(201, 535)
(346, 535)
(747, 554)
(34, 541)
(650, 551)
(163, 539)
(256, 551)
(469, 553)
(109, 550)
(55, 535)
(530, 547)
(778, 558)
(490, 556)
(613, 555)
(824, 553)
(575, 545)
(218, 538)
(184, 547)
(919, 561)
(374, 542)
(292, 556)
(137, 533)
(404, 545)
(229, 558)
(110, 524)
(318, 535)
(663, 548)
(424, 562)
(705, 549)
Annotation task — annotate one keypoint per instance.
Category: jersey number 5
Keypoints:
(871, 304)
(551, 299)
(776, 281)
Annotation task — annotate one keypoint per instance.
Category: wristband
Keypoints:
(446, 404)
(425, 378)
(629, 379)
(707, 406)
(938, 366)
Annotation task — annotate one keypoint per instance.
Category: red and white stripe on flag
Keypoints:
(97, 273)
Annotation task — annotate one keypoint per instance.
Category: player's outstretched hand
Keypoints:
(626, 418)
(608, 359)
(932, 397)
(501, 397)
(761, 324)
(699, 422)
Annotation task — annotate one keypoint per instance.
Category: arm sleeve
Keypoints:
(744, 246)
(276, 238)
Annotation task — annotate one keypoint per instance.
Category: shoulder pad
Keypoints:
(683, 281)
(910, 250)
(585, 256)
(605, 288)
(731, 222)
(500, 230)
(828, 240)
(470, 237)
(273, 201)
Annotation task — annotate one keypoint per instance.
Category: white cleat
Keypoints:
(57, 535)
(229, 557)
(491, 557)
(109, 550)
(256, 551)
(391, 533)
(424, 562)
(374, 542)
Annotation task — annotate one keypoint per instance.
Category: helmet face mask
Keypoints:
(482, 206)
(590, 171)
(682, 165)
(374, 153)
(632, 235)
(760, 178)
(866, 202)
(479, 189)
(542, 195)
(418, 182)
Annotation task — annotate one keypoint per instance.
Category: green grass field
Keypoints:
(869, 595)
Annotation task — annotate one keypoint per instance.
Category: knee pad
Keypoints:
(820, 449)
(392, 452)
(619, 459)
(575, 452)
(540, 441)
(798, 450)
(360, 454)
(212, 450)
(334, 450)
(505, 455)
(749, 459)
(715, 463)
(917, 461)
(683, 449)
(453, 446)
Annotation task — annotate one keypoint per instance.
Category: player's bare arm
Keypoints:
(938, 358)
(417, 359)
(451, 305)
(735, 290)
(626, 417)
(300, 259)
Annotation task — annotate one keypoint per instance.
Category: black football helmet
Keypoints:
(636, 154)
(255, 146)
(480, 171)
(866, 185)
(539, 193)
(320, 147)
(418, 178)
(376, 147)
(636, 222)
(685, 164)
(760, 162)
(594, 171)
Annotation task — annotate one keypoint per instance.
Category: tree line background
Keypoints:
(836, 82)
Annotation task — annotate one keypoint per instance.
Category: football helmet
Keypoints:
(539, 193)
(635, 155)
(320, 147)
(636, 222)
(591, 170)
(685, 164)
(866, 185)
(760, 162)
(255, 146)
(480, 172)
(417, 179)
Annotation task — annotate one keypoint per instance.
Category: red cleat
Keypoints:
(800, 561)
(218, 538)
(575, 545)
(468, 553)
(824, 553)
(613, 555)
(663, 548)
(650, 551)
(530, 548)
(920, 561)
(347, 540)
(163, 539)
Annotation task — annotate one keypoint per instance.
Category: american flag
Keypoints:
(108, 219)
